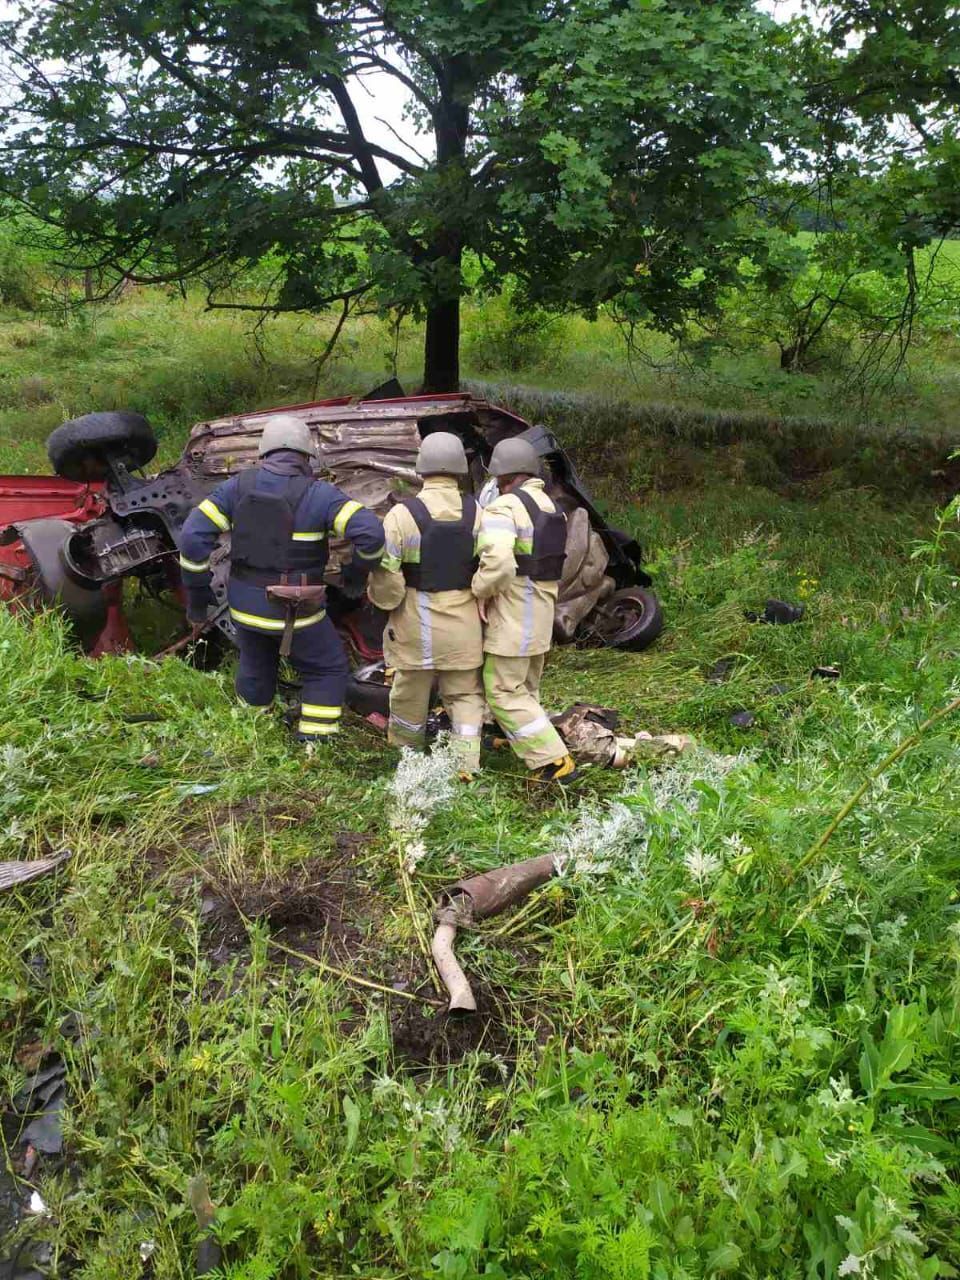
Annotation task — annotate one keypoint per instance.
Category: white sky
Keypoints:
(381, 99)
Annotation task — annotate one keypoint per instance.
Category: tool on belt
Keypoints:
(294, 597)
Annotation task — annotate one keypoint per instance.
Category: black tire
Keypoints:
(78, 446)
(368, 697)
(629, 619)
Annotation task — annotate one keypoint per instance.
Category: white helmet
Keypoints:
(284, 431)
(442, 454)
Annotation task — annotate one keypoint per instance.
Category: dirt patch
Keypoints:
(312, 909)
(427, 1037)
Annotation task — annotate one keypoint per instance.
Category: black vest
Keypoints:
(545, 562)
(447, 558)
(261, 545)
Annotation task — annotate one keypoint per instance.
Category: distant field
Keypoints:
(173, 361)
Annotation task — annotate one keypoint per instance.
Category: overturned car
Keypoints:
(71, 540)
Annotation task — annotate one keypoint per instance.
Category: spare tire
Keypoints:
(75, 448)
(629, 619)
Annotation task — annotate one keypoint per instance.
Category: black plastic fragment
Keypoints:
(825, 673)
(743, 719)
(777, 613)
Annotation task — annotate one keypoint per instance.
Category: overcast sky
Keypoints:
(381, 99)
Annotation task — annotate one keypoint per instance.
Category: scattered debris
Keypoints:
(825, 673)
(777, 612)
(590, 734)
(147, 1249)
(21, 872)
(656, 746)
(476, 898)
(208, 1251)
(43, 1097)
(743, 719)
(722, 670)
(37, 1206)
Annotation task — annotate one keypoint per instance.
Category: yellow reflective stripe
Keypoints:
(322, 730)
(193, 565)
(274, 624)
(309, 537)
(317, 712)
(214, 514)
(369, 555)
(344, 516)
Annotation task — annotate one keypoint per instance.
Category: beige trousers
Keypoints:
(462, 694)
(512, 686)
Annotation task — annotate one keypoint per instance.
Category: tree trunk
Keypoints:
(441, 352)
(441, 348)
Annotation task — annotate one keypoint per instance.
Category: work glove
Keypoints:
(200, 601)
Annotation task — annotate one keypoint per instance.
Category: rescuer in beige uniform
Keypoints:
(423, 580)
(522, 544)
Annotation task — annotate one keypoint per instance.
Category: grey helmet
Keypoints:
(284, 431)
(514, 457)
(442, 454)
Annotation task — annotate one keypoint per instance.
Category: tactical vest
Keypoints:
(545, 562)
(447, 558)
(262, 545)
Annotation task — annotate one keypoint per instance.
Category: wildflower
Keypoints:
(702, 866)
(416, 851)
(597, 841)
(421, 785)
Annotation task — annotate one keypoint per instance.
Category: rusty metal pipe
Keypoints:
(476, 898)
(462, 999)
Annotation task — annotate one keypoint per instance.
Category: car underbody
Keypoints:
(71, 540)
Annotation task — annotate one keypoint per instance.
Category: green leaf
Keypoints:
(351, 1114)
(723, 1259)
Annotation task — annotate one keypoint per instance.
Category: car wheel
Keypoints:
(629, 619)
(367, 694)
(75, 448)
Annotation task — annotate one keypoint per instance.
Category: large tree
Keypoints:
(590, 149)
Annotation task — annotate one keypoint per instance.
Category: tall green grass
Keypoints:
(687, 1062)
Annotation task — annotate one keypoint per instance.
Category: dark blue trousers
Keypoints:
(318, 657)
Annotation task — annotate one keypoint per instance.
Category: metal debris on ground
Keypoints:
(777, 613)
(476, 898)
(44, 1096)
(22, 872)
(722, 670)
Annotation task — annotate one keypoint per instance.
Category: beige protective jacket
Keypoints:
(436, 630)
(519, 611)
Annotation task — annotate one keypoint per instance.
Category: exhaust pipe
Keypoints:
(476, 898)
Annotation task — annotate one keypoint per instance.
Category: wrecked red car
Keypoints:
(72, 539)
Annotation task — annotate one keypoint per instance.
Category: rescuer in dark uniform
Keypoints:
(279, 518)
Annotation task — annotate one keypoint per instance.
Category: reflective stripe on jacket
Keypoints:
(438, 630)
(519, 611)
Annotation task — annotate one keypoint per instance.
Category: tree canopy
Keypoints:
(589, 149)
